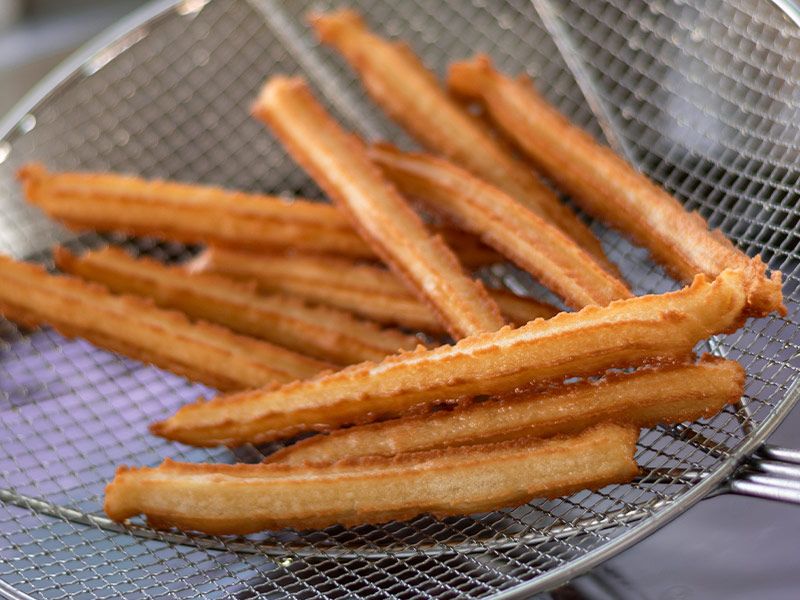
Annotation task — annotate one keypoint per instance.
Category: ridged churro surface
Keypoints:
(137, 328)
(626, 333)
(194, 213)
(650, 396)
(363, 289)
(317, 331)
(338, 163)
(399, 82)
(533, 243)
(609, 188)
(189, 213)
(223, 499)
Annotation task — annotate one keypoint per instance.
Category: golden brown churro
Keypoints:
(363, 289)
(189, 213)
(647, 329)
(531, 242)
(284, 320)
(647, 397)
(401, 85)
(197, 213)
(606, 186)
(133, 327)
(341, 168)
(225, 499)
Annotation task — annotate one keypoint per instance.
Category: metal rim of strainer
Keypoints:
(714, 482)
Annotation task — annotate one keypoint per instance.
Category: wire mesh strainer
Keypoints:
(704, 97)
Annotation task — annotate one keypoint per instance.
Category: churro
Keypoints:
(193, 213)
(399, 82)
(626, 333)
(189, 213)
(667, 394)
(531, 242)
(136, 328)
(239, 499)
(340, 166)
(317, 331)
(363, 289)
(609, 188)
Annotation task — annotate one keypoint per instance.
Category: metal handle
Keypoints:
(772, 473)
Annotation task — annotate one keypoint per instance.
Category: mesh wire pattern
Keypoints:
(703, 97)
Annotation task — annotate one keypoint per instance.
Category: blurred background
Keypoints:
(35, 35)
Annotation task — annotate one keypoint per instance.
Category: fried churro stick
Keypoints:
(133, 327)
(667, 394)
(401, 85)
(339, 165)
(363, 289)
(531, 242)
(195, 213)
(225, 499)
(284, 320)
(647, 329)
(608, 187)
(189, 213)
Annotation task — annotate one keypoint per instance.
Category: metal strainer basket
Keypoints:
(702, 96)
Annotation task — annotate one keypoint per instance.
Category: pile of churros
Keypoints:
(331, 321)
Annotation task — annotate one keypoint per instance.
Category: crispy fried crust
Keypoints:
(339, 165)
(363, 289)
(408, 92)
(530, 241)
(317, 331)
(608, 187)
(196, 213)
(134, 327)
(647, 329)
(239, 499)
(666, 394)
(189, 213)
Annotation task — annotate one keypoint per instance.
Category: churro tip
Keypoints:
(481, 62)
(31, 171)
(329, 25)
(199, 263)
(121, 470)
(62, 256)
(273, 87)
(464, 78)
(765, 292)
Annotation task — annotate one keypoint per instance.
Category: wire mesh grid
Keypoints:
(701, 96)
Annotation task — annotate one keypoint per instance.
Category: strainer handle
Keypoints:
(772, 473)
